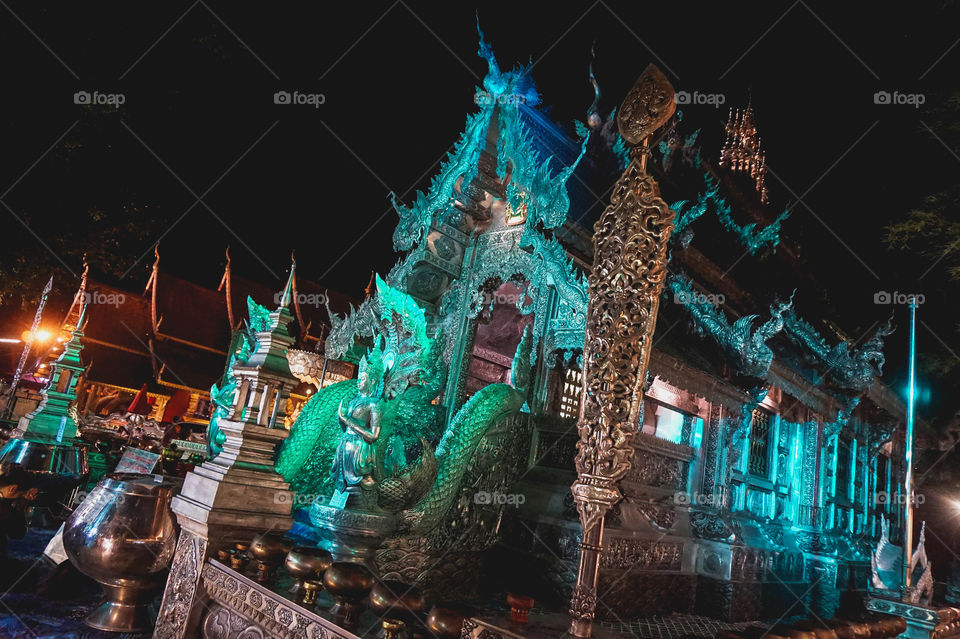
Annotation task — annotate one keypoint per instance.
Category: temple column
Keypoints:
(624, 288)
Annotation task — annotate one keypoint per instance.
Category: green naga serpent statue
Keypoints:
(352, 440)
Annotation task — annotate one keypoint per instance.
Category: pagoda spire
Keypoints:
(288, 288)
(270, 356)
(80, 299)
(51, 419)
(290, 294)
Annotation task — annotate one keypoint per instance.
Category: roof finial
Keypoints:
(486, 51)
(593, 113)
(369, 289)
(224, 286)
(83, 316)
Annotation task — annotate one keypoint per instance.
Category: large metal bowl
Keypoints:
(123, 535)
(54, 469)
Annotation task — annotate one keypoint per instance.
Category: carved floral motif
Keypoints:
(181, 589)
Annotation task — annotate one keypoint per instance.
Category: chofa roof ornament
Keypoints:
(647, 107)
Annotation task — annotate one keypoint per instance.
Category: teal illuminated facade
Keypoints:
(763, 445)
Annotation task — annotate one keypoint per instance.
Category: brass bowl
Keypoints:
(445, 622)
(304, 562)
(348, 583)
(124, 535)
(268, 549)
(396, 600)
(397, 603)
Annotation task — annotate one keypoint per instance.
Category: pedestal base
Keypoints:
(119, 617)
(352, 535)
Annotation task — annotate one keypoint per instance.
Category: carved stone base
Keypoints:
(728, 600)
(243, 609)
(218, 505)
(181, 590)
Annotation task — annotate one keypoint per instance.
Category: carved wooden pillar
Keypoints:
(629, 267)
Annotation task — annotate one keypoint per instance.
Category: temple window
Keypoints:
(670, 424)
(570, 393)
(844, 478)
(759, 443)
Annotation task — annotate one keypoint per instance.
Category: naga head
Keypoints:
(372, 370)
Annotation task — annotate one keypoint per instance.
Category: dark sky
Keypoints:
(199, 119)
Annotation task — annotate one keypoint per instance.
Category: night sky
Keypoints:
(397, 79)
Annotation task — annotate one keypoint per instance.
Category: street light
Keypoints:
(42, 335)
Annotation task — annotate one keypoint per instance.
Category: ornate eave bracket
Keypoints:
(743, 345)
(850, 367)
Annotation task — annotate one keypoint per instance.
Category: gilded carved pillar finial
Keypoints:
(647, 107)
(629, 269)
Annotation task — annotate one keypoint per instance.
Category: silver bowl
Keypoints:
(124, 535)
(54, 469)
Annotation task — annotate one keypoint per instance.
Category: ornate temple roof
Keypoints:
(553, 181)
(176, 334)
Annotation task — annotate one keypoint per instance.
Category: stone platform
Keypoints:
(38, 601)
(554, 625)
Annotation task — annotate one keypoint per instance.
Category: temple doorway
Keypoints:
(499, 327)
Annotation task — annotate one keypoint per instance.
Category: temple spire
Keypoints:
(288, 290)
(51, 419)
(81, 319)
